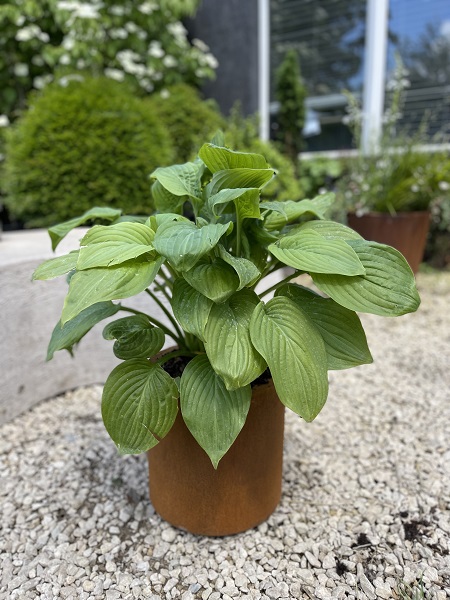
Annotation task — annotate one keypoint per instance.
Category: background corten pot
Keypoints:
(244, 490)
(407, 232)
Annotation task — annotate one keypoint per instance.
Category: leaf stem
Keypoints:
(280, 283)
(166, 312)
(166, 330)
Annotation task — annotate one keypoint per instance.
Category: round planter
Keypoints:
(245, 489)
(407, 232)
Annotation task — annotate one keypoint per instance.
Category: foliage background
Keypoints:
(144, 43)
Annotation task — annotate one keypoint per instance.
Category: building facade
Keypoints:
(342, 45)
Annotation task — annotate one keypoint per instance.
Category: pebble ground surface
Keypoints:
(365, 507)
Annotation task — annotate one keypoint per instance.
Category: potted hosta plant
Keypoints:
(210, 410)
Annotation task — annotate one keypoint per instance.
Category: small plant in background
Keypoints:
(317, 175)
(144, 43)
(397, 176)
(92, 142)
(291, 93)
(207, 270)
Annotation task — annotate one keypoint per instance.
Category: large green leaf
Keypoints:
(328, 229)
(58, 232)
(165, 201)
(247, 271)
(135, 337)
(105, 246)
(295, 352)
(387, 289)
(213, 414)
(239, 178)
(180, 180)
(64, 337)
(183, 243)
(57, 266)
(157, 220)
(294, 210)
(190, 307)
(112, 283)
(341, 329)
(246, 202)
(217, 158)
(139, 405)
(309, 251)
(227, 340)
(217, 280)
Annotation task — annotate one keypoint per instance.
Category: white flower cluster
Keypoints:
(81, 10)
(129, 62)
(31, 32)
(146, 8)
(4, 121)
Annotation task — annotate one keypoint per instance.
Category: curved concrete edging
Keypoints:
(29, 311)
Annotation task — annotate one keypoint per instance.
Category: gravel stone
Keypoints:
(364, 506)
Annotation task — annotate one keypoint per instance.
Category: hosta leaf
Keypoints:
(213, 414)
(183, 243)
(217, 280)
(157, 220)
(246, 202)
(239, 178)
(247, 271)
(58, 232)
(135, 337)
(56, 266)
(112, 283)
(293, 211)
(218, 138)
(190, 307)
(309, 251)
(322, 202)
(180, 180)
(64, 337)
(130, 219)
(341, 329)
(329, 230)
(387, 288)
(218, 159)
(165, 201)
(227, 340)
(105, 246)
(274, 206)
(295, 352)
(139, 405)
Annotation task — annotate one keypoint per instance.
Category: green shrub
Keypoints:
(88, 143)
(188, 119)
(316, 174)
(242, 133)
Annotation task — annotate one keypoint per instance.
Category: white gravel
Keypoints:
(365, 506)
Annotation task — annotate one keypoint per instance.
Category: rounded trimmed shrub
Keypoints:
(189, 119)
(89, 143)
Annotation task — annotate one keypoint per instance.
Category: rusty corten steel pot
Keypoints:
(244, 490)
(405, 231)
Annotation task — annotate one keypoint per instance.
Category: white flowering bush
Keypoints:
(143, 42)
